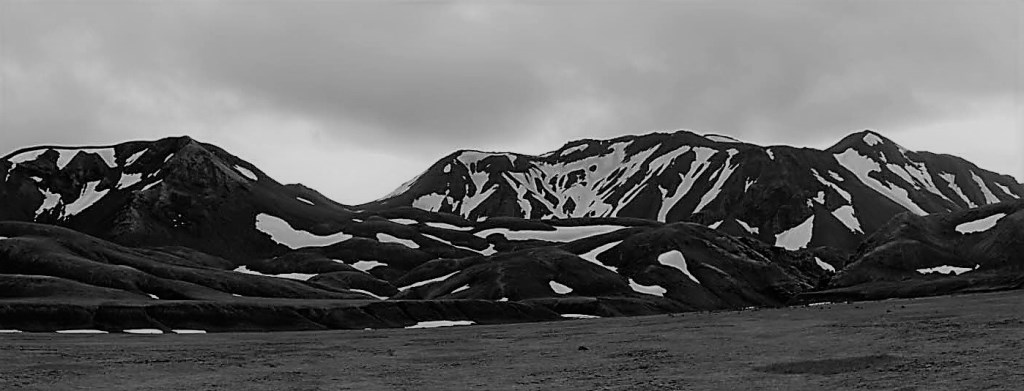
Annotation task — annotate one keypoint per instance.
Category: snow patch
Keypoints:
(305, 201)
(154, 297)
(290, 276)
(82, 331)
(281, 232)
(365, 266)
(9, 331)
(440, 323)
(752, 230)
(946, 269)
(559, 288)
(655, 290)
(135, 156)
(980, 225)
(846, 215)
(951, 180)
(188, 331)
(716, 224)
(560, 234)
(824, 265)
(989, 197)
(88, 197)
(50, 200)
(127, 180)
(460, 289)
(580, 316)
(797, 237)
(385, 238)
(676, 260)
(371, 294)
(448, 226)
(143, 331)
(404, 221)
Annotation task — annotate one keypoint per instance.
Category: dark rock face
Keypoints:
(835, 196)
(969, 250)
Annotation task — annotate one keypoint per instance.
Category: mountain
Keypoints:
(182, 226)
(790, 197)
(970, 250)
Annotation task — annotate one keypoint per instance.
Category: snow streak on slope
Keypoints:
(655, 290)
(723, 175)
(845, 214)
(290, 276)
(591, 255)
(697, 168)
(951, 180)
(559, 288)
(989, 197)
(862, 166)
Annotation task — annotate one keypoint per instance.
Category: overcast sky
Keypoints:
(353, 98)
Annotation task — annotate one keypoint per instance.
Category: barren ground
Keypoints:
(940, 343)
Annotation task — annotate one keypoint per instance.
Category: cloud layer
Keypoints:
(290, 85)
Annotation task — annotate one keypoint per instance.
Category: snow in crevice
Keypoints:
(289, 276)
(448, 226)
(246, 173)
(127, 180)
(655, 290)
(425, 282)
(461, 288)
(675, 259)
(980, 225)
(824, 265)
(1006, 190)
(559, 288)
(368, 293)
(305, 201)
(716, 224)
(591, 256)
(770, 154)
(134, 157)
(797, 237)
(282, 232)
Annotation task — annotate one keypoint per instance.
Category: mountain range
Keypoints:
(178, 234)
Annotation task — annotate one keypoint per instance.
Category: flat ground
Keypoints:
(940, 343)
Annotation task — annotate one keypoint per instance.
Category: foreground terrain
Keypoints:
(950, 342)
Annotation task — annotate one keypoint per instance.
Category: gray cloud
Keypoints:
(421, 78)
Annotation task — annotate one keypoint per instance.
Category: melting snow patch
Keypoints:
(580, 316)
(188, 331)
(946, 269)
(385, 238)
(655, 290)
(280, 231)
(559, 288)
(290, 276)
(797, 237)
(980, 225)
(591, 256)
(81, 331)
(862, 166)
(676, 260)
(824, 265)
(143, 331)
(440, 323)
(246, 172)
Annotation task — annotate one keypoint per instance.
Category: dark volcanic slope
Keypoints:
(180, 220)
(791, 197)
(970, 250)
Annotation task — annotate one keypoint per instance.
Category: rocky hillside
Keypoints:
(790, 197)
(972, 250)
(176, 223)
